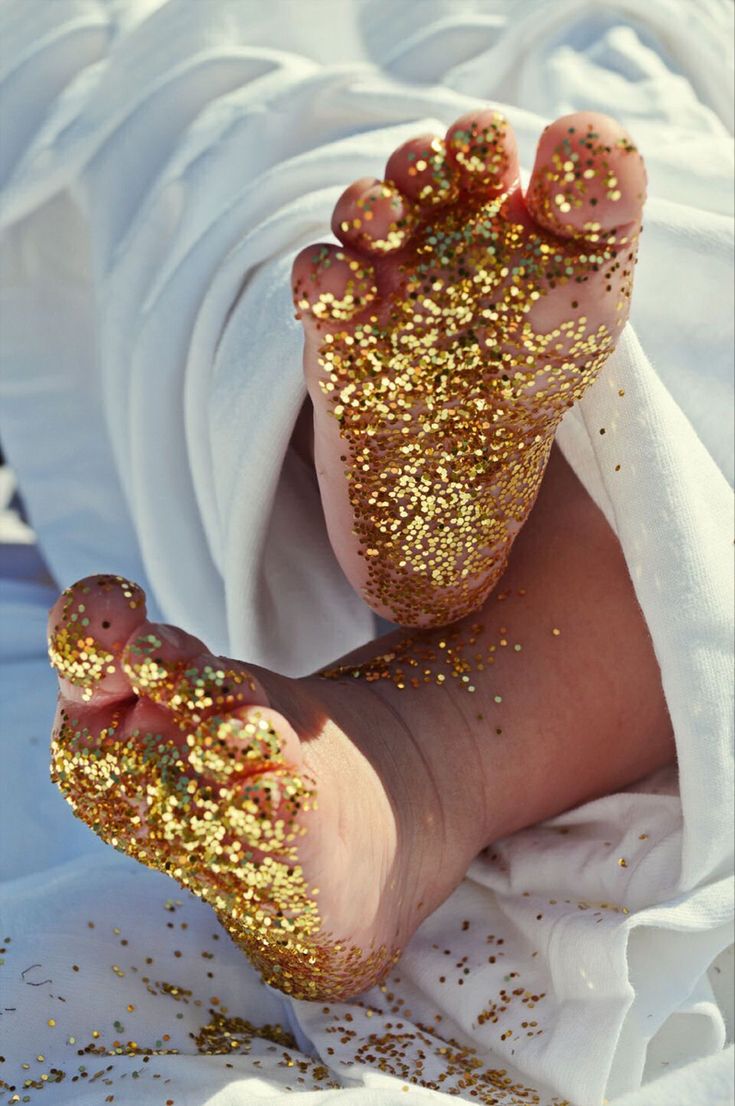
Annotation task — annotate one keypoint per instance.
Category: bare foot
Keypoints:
(447, 337)
(321, 851)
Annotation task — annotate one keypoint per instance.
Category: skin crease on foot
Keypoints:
(325, 818)
(447, 336)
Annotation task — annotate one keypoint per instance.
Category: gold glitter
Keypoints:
(224, 1035)
(213, 804)
(578, 173)
(407, 1051)
(90, 665)
(359, 289)
(434, 173)
(76, 654)
(181, 686)
(381, 203)
(447, 399)
(622, 862)
(428, 657)
(481, 150)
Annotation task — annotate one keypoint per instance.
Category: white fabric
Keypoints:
(161, 162)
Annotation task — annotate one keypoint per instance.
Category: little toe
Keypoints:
(331, 284)
(483, 148)
(588, 179)
(88, 627)
(423, 170)
(373, 216)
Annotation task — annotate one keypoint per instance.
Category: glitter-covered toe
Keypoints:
(482, 146)
(373, 216)
(588, 180)
(439, 374)
(88, 626)
(332, 284)
(423, 171)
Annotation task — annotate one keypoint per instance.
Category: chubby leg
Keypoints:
(555, 679)
(325, 818)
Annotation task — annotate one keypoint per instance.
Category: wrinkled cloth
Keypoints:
(160, 165)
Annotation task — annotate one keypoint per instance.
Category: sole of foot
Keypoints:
(446, 337)
(180, 759)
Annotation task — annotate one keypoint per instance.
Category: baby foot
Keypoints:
(447, 336)
(316, 852)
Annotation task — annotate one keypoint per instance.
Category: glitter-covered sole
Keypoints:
(188, 777)
(446, 338)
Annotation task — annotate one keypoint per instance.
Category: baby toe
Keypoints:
(88, 627)
(374, 216)
(482, 145)
(588, 178)
(332, 284)
(423, 171)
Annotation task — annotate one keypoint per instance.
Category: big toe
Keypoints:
(88, 627)
(588, 178)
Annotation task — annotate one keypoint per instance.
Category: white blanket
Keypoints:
(161, 163)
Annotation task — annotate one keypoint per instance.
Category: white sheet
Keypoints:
(161, 164)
